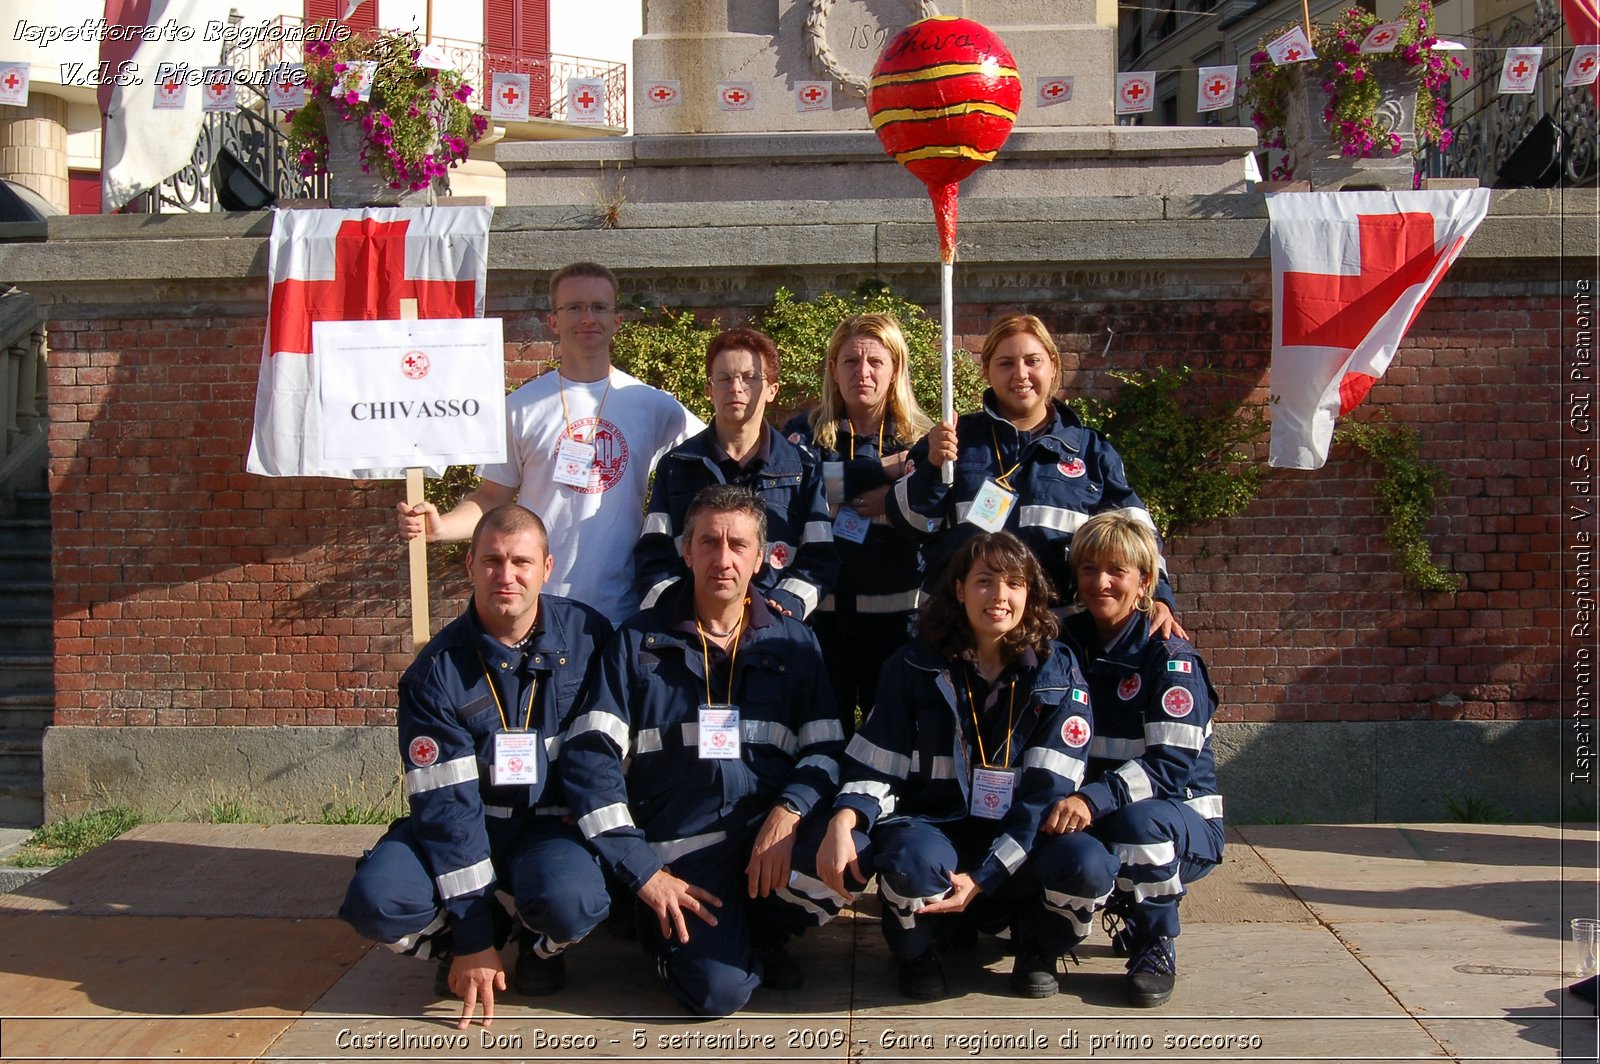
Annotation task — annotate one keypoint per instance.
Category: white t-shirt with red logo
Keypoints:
(592, 529)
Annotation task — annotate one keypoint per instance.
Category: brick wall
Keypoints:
(189, 592)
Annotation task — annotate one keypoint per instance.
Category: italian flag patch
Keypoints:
(1179, 666)
(1080, 696)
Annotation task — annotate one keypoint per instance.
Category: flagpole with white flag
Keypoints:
(143, 145)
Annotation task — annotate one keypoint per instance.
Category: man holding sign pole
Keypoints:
(482, 710)
(580, 446)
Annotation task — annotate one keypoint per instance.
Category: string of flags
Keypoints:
(511, 96)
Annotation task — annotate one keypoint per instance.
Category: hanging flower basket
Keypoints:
(396, 145)
(1350, 117)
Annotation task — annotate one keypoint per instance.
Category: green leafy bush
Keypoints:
(1407, 490)
(1189, 465)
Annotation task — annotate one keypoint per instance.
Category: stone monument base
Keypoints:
(830, 166)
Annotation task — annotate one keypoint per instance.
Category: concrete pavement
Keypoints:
(1377, 942)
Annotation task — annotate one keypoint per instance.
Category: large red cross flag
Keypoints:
(352, 266)
(1350, 273)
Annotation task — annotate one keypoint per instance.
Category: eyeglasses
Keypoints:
(596, 309)
(749, 381)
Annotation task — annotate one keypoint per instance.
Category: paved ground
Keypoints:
(1348, 942)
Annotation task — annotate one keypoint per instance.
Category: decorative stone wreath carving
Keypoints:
(851, 81)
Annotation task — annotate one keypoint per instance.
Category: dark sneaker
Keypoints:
(441, 979)
(779, 969)
(923, 977)
(1033, 975)
(538, 976)
(1152, 973)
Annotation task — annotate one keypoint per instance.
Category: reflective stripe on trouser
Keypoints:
(807, 901)
(914, 858)
(1161, 846)
(553, 878)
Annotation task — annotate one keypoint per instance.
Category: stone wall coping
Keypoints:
(854, 235)
(862, 145)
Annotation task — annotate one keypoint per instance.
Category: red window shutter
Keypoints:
(365, 17)
(516, 37)
(535, 21)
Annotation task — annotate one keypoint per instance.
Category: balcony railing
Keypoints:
(548, 72)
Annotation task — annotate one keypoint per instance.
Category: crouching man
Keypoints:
(710, 736)
(481, 716)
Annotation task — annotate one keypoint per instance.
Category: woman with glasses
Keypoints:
(1023, 463)
(863, 430)
(739, 447)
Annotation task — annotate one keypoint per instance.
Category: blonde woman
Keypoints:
(863, 431)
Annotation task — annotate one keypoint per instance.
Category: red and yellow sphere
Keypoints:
(943, 97)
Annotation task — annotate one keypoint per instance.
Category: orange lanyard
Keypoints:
(566, 418)
(733, 657)
(977, 728)
(1004, 478)
(533, 688)
(881, 423)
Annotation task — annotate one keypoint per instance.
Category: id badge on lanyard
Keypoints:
(516, 758)
(719, 732)
(850, 526)
(991, 507)
(993, 790)
(574, 459)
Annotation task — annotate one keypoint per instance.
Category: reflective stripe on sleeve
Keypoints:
(1055, 518)
(821, 731)
(655, 592)
(899, 602)
(817, 532)
(903, 504)
(1137, 779)
(1171, 733)
(672, 849)
(833, 484)
(1010, 853)
(823, 762)
(1155, 854)
(444, 774)
(657, 524)
(1207, 805)
(1054, 762)
(876, 757)
(610, 725)
(606, 818)
(1116, 749)
(808, 593)
(769, 732)
(466, 880)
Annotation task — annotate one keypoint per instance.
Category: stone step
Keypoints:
(26, 598)
(21, 806)
(20, 756)
(27, 635)
(26, 672)
(27, 710)
(33, 505)
(28, 564)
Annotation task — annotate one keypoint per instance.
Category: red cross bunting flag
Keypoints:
(736, 96)
(586, 101)
(508, 97)
(1350, 273)
(1136, 92)
(1217, 86)
(219, 96)
(1047, 92)
(1520, 71)
(1583, 24)
(1382, 38)
(14, 84)
(361, 265)
(1291, 47)
(813, 96)
(659, 94)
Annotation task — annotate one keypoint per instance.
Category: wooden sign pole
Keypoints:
(418, 547)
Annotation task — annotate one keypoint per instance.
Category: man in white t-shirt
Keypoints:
(580, 445)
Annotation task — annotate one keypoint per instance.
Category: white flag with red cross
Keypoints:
(586, 101)
(1049, 91)
(14, 84)
(659, 94)
(813, 96)
(1217, 87)
(1382, 38)
(1350, 273)
(508, 97)
(1136, 92)
(1290, 48)
(1583, 68)
(219, 95)
(361, 265)
(1520, 71)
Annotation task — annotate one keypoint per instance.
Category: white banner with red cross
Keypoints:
(1216, 88)
(14, 84)
(508, 97)
(1350, 273)
(586, 101)
(366, 265)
